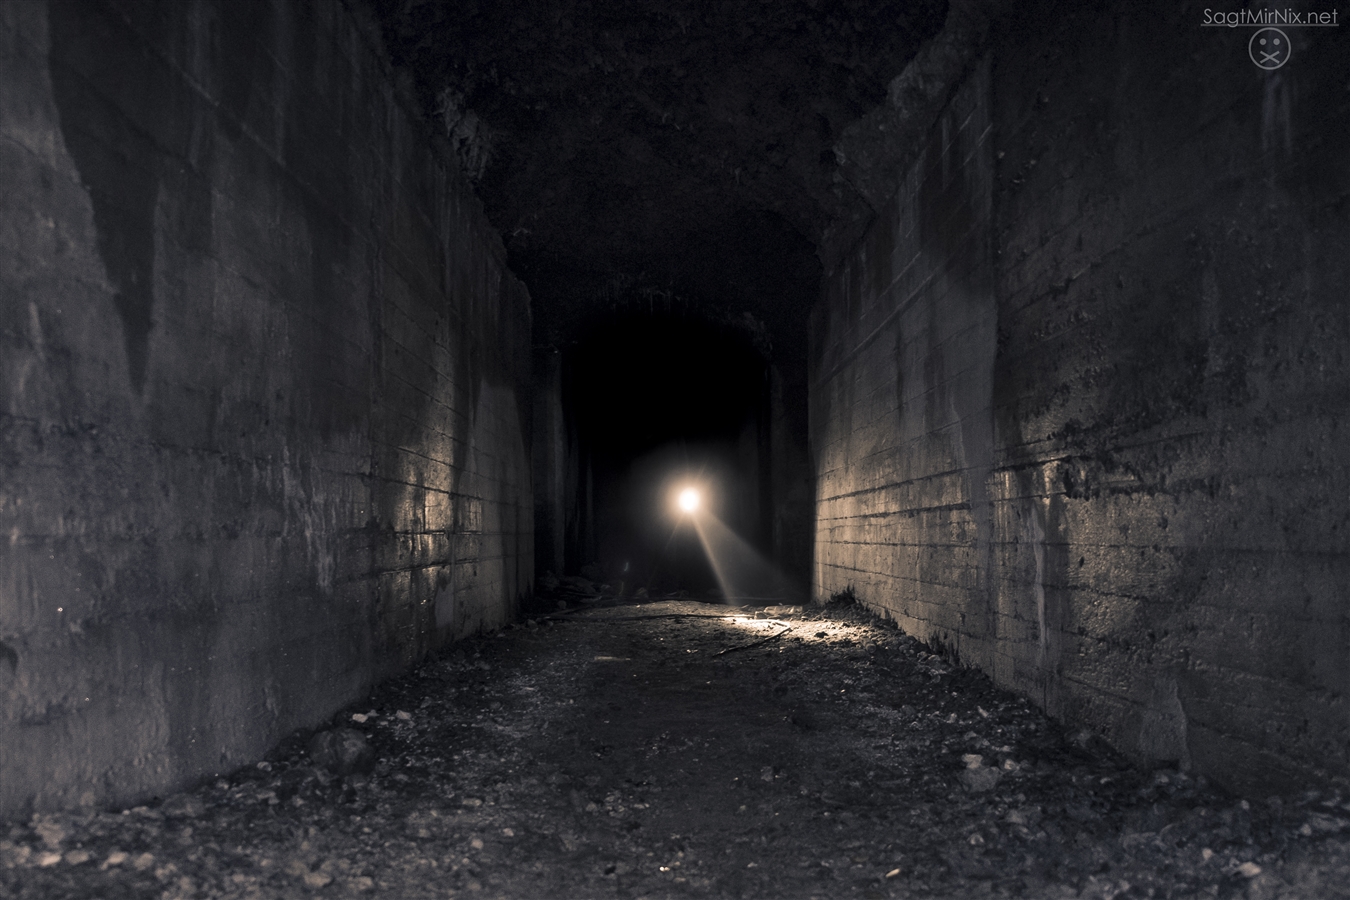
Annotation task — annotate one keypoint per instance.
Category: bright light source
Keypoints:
(689, 499)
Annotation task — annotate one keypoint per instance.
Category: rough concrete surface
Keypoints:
(263, 421)
(1079, 396)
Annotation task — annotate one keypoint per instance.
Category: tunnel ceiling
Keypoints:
(645, 149)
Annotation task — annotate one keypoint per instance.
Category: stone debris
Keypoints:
(342, 751)
(317, 879)
(778, 612)
(977, 777)
(529, 770)
(183, 806)
(574, 584)
(51, 829)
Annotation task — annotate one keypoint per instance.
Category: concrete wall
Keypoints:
(263, 390)
(1080, 399)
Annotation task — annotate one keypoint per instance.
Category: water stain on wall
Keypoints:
(126, 122)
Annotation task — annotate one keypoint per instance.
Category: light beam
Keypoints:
(741, 572)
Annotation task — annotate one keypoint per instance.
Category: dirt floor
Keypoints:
(686, 749)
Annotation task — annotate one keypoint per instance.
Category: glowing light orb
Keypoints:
(689, 499)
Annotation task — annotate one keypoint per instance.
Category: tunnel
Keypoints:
(689, 405)
(812, 448)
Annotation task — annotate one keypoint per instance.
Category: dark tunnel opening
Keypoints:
(654, 399)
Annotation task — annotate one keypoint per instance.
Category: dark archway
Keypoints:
(651, 398)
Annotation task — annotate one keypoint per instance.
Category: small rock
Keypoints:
(115, 858)
(48, 859)
(1265, 887)
(362, 883)
(183, 806)
(12, 854)
(359, 718)
(317, 880)
(143, 862)
(342, 751)
(1249, 870)
(892, 873)
(1081, 812)
(77, 857)
(406, 717)
(476, 843)
(978, 780)
(51, 829)
(1321, 824)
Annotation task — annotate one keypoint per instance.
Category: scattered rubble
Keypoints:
(620, 750)
(342, 751)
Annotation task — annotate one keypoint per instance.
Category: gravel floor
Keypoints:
(684, 749)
